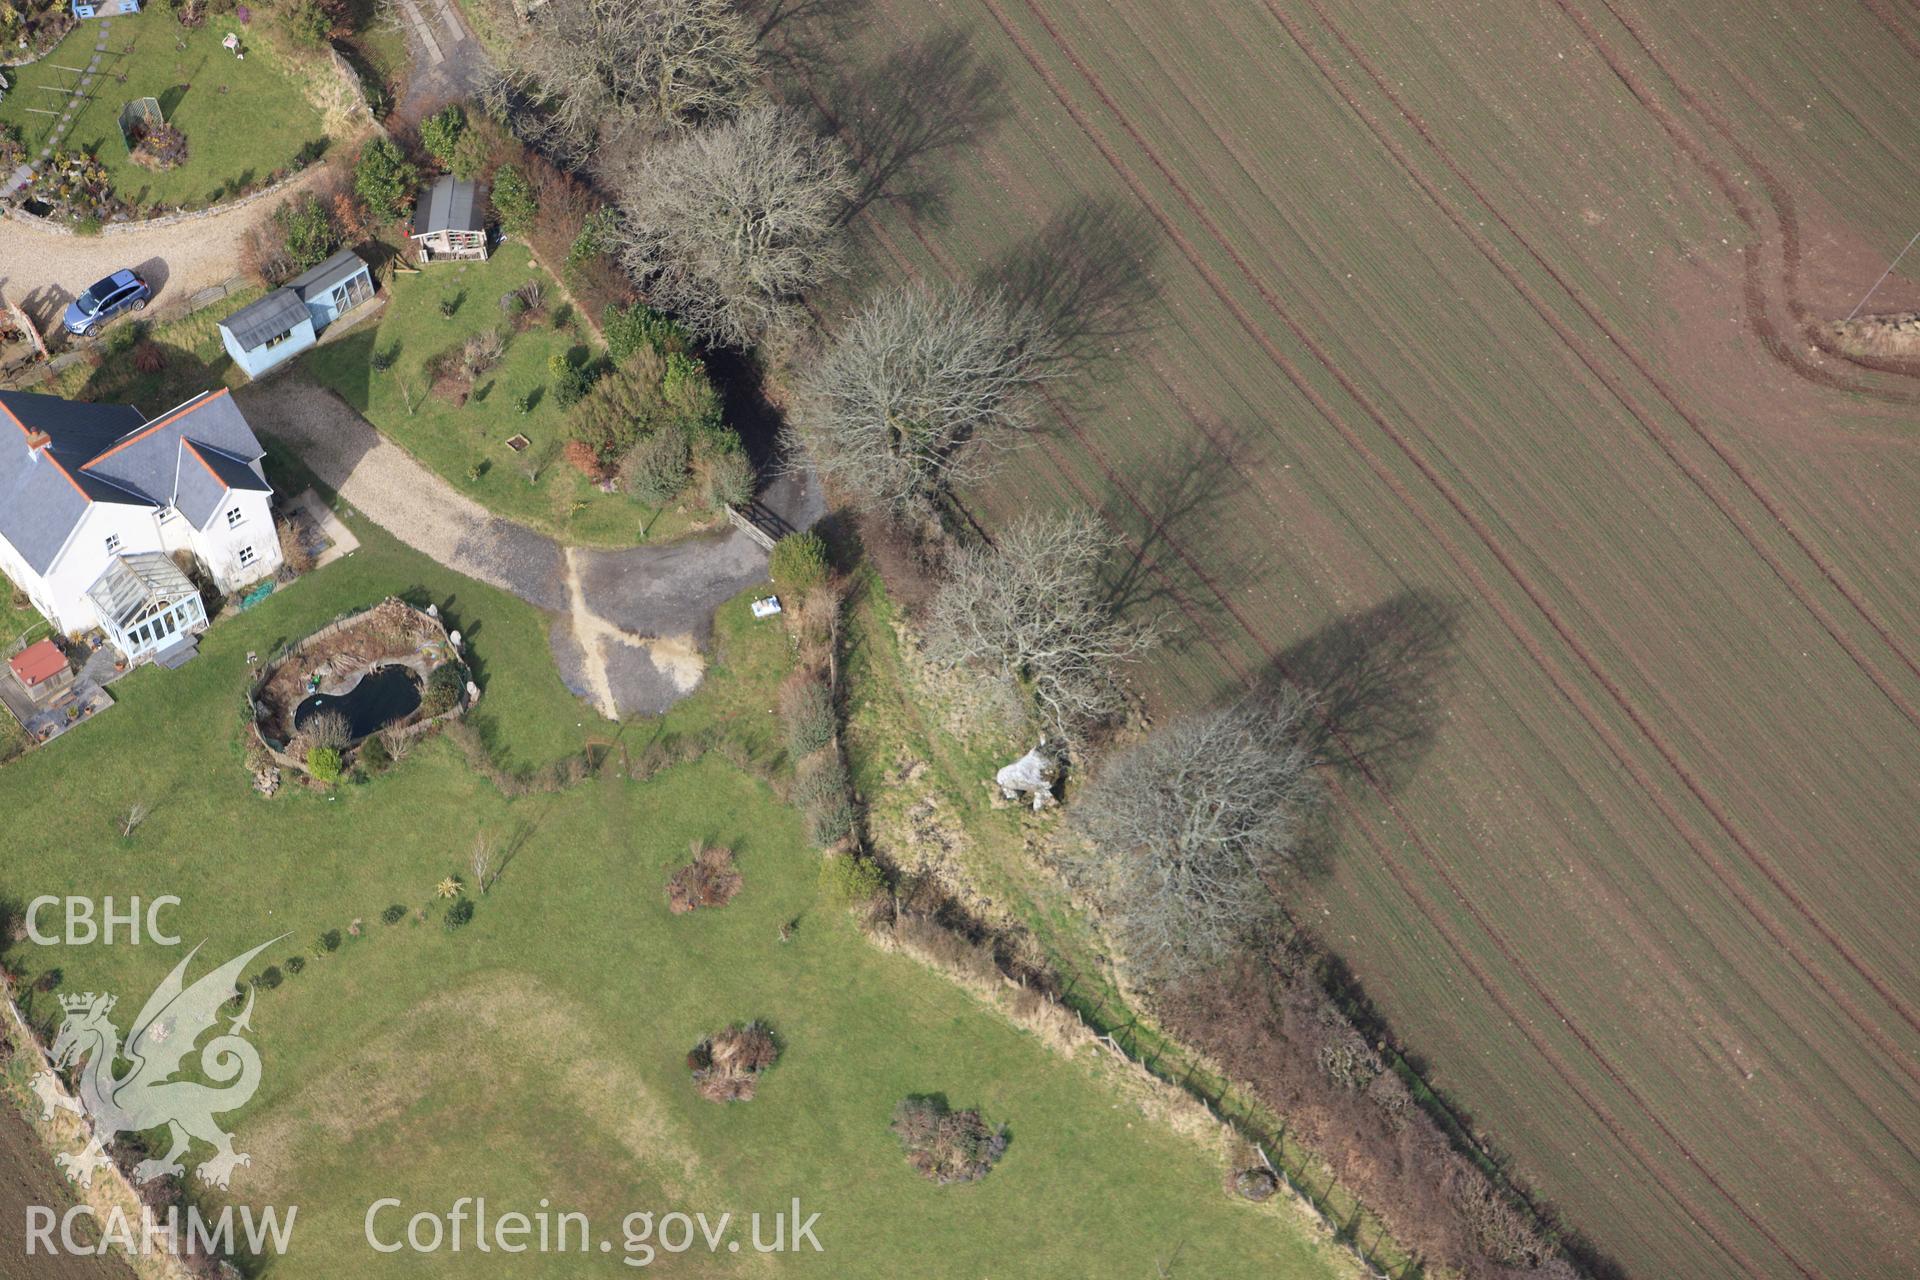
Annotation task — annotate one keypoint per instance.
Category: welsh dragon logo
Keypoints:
(146, 1095)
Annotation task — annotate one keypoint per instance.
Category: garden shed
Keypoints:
(333, 288)
(451, 221)
(104, 8)
(262, 334)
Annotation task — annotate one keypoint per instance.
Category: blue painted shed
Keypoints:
(262, 334)
(336, 286)
(104, 8)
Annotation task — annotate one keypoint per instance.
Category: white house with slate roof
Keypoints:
(94, 498)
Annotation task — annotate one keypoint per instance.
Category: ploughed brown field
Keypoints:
(1462, 357)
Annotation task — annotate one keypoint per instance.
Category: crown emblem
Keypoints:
(85, 1001)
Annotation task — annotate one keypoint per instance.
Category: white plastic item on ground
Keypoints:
(1032, 773)
(766, 606)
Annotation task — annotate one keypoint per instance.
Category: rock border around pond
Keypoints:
(438, 650)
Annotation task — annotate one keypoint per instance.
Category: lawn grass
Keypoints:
(538, 1052)
(244, 119)
(467, 444)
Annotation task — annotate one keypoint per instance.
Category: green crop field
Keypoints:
(1459, 360)
(536, 1057)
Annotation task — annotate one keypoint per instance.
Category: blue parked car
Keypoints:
(105, 299)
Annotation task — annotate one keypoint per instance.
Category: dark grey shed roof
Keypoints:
(270, 317)
(343, 265)
(451, 204)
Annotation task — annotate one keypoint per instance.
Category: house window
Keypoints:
(234, 517)
(246, 556)
(113, 544)
(276, 340)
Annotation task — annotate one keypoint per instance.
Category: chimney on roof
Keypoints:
(38, 440)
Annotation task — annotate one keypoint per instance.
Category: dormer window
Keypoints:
(234, 517)
(113, 544)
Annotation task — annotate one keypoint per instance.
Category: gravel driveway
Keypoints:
(42, 270)
(629, 625)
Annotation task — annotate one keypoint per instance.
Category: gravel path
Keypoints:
(629, 624)
(42, 270)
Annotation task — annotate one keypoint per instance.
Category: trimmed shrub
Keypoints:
(514, 202)
(440, 133)
(457, 915)
(807, 707)
(852, 879)
(295, 964)
(384, 178)
(729, 480)
(268, 977)
(571, 381)
(330, 940)
(799, 561)
(628, 329)
(324, 763)
(658, 469)
(944, 1145)
(445, 687)
(394, 914)
(374, 755)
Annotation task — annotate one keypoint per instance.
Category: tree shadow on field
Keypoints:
(898, 114)
(1376, 676)
(1089, 272)
(1173, 499)
(802, 37)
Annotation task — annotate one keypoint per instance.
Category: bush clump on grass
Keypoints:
(709, 879)
(807, 707)
(324, 763)
(727, 1066)
(850, 878)
(457, 915)
(440, 133)
(330, 940)
(268, 977)
(295, 964)
(394, 914)
(944, 1145)
(799, 561)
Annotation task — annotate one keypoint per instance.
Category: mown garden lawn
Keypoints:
(539, 1051)
(244, 119)
(467, 443)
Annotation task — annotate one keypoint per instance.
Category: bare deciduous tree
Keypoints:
(135, 815)
(1184, 829)
(603, 72)
(483, 862)
(1032, 608)
(728, 225)
(327, 729)
(923, 388)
